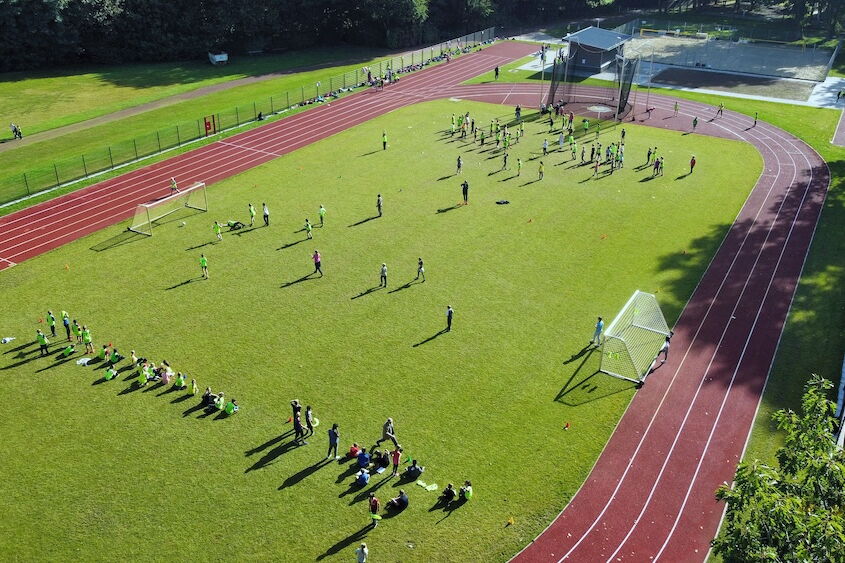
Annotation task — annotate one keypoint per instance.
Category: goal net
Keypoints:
(193, 197)
(634, 338)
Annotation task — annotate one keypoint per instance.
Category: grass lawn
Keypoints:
(100, 471)
(47, 99)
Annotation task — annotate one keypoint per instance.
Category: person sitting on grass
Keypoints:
(232, 407)
(166, 375)
(115, 357)
(414, 471)
(142, 376)
(234, 225)
(400, 502)
(111, 373)
(207, 397)
(194, 388)
(363, 458)
(382, 460)
(180, 382)
(219, 403)
(466, 491)
(354, 450)
(362, 478)
(448, 494)
(69, 349)
(104, 352)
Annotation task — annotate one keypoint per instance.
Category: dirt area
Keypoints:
(753, 85)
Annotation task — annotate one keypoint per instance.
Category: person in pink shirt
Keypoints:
(395, 457)
(317, 262)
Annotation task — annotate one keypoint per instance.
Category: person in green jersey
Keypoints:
(218, 230)
(232, 407)
(51, 322)
(86, 339)
(142, 376)
(69, 349)
(322, 213)
(518, 166)
(111, 373)
(42, 342)
(541, 169)
(77, 331)
(308, 229)
(204, 266)
(181, 381)
(251, 215)
(194, 388)
(384, 140)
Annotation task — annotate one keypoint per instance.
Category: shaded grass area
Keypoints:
(486, 402)
(47, 99)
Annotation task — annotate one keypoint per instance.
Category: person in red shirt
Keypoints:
(374, 507)
(395, 457)
(691, 164)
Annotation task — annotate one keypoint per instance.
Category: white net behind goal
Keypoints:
(633, 338)
(146, 214)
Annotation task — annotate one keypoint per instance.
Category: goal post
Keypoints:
(192, 197)
(634, 338)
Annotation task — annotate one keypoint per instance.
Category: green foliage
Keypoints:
(792, 511)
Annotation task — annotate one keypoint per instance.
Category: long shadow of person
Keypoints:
(366, 492)
(346, 542)
(303, 473)
(267, 444)
(430, 338)
(368, 291)
(271, 456)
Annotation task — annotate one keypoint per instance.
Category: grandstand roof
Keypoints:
(598, 38)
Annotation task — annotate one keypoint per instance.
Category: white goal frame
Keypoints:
(192, 197)
(634, 338)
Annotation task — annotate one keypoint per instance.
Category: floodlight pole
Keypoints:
(542, 73)
(621, 75)
(650, 74)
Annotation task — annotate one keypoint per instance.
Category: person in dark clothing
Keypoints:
(449, 313)
(465, 191)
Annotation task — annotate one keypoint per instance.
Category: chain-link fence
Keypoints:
(69, 170)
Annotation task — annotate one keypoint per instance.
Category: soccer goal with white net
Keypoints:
(192, 197)
(634, 338)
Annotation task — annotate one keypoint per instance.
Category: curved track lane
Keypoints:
(650, 495)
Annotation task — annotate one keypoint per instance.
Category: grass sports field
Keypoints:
(43, 100)
(100, 471)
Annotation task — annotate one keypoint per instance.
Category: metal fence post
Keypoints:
(84, 167)
(302, 93)
(158, 138)
(199, 134)
(56, 170)
(237, 116)
(26, 184)
(110, 158)
(344, 80)
(331, 84)
(272, 109)
(134, 144)
(254, 111)
(178, 136)
(287, 99)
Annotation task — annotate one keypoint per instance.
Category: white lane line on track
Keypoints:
(659, 408)
(749, 334)
(461, 71)
(247, 148)
(164, 172)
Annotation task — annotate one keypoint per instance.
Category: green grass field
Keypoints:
(44, 100)
(99, 471)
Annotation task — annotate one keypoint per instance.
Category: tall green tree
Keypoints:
(792, 511)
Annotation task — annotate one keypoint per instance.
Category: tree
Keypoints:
(794, 511)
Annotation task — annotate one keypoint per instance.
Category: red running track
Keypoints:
(48, 225)
(650, 494)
